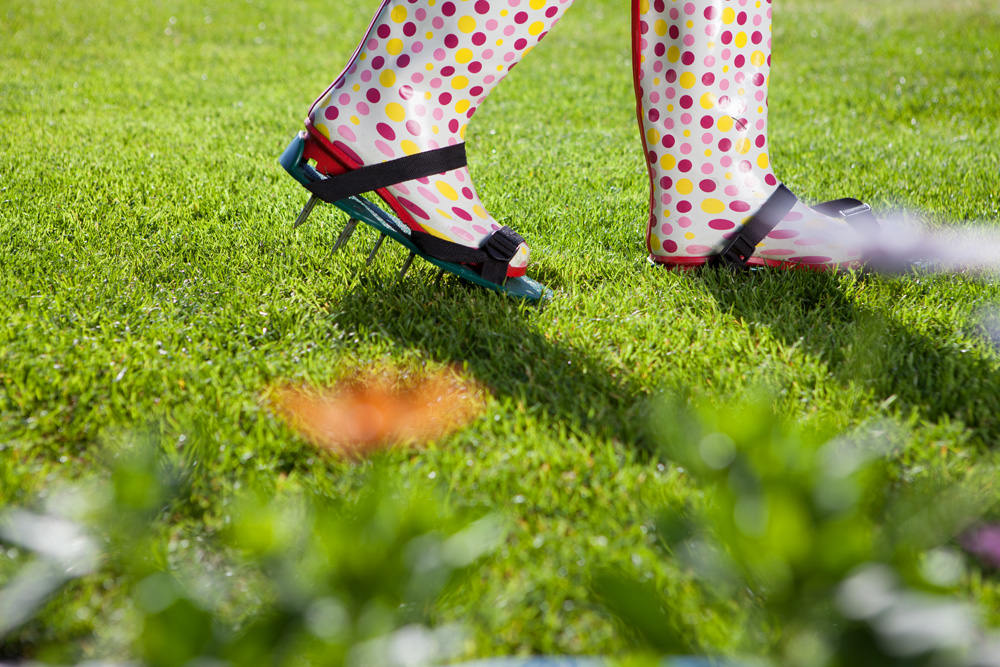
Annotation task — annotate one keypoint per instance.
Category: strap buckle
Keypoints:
(861, 219)
(500, 248)
(863, 209)
(503, 244)
(737, 253)
(742, 245)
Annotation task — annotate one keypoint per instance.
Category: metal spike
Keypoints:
(346, 234)
(440, 275)
(306, 210)
(406, 265)
(378, 244)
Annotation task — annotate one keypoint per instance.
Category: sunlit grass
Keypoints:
(152, 288)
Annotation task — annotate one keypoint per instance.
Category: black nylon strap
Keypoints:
(834, 207)
(857, 214)
(494, 256)
(446, 250)
(384, 174)
(741, 246)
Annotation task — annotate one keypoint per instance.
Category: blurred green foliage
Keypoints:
(843, 565)
(839, 563)
(327, 578)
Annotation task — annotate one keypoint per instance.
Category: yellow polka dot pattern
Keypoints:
(702, 83)
(419, 76)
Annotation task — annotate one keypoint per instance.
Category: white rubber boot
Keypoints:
(701, 73)
(414, 83)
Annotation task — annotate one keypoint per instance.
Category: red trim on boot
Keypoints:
(689, 263)
(642, 136)
(354, 58)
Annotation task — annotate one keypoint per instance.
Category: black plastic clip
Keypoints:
(503, 244)
(500, 248)
(863, 209)
(737, 253)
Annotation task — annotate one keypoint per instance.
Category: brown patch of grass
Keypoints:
(374, 410)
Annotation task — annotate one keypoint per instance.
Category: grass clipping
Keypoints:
(370, 410)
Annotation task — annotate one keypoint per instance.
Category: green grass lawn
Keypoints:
(152, 288)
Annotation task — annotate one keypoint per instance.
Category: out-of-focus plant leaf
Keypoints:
(642, 609)
(844, 564)
(331, 574)
(674, 527)
(64, 551)
(175, 630)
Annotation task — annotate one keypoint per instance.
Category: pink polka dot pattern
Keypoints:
(701, 71)
(417, 78)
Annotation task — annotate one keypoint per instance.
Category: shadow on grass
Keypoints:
(874, 347)
(499, 343)
(946, 377)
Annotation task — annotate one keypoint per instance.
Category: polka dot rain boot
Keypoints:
(394, 123)
(701, 73)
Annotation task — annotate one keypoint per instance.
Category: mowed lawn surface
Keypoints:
(152, 288)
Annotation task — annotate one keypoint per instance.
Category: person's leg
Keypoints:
(701, 75)
(414, 83)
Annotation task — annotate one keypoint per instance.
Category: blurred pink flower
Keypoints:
(984, 543)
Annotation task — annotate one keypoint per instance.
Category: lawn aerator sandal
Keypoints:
(394, 123)
(492, 260)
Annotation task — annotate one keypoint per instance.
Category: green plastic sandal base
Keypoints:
(385, 223)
